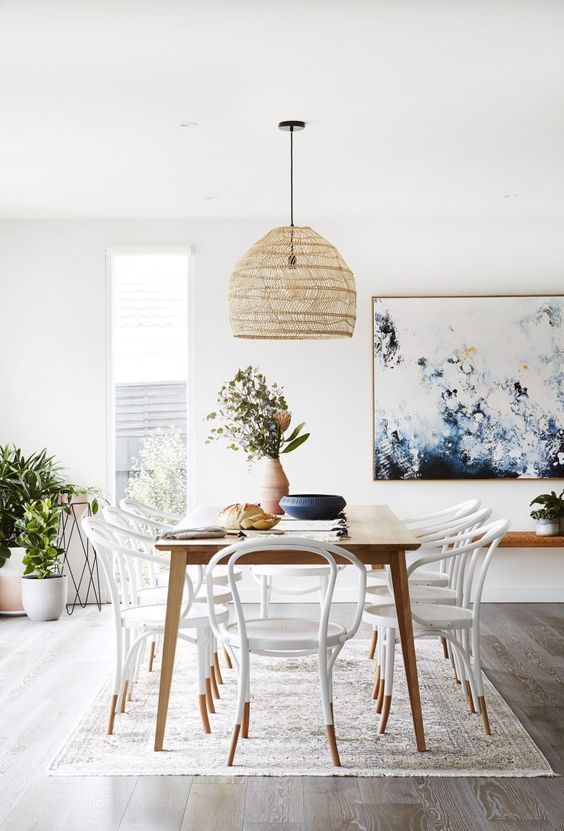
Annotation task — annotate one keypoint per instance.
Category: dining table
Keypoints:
(374, 534)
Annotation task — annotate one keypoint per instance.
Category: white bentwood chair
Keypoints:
(449, 594)
(421, 526)
(458, 624)
(285, 637)
(135, 622)
(155, 589)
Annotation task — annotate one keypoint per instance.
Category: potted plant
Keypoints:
(550, 517)
(254, 418)
(44, 586)
(23, 480)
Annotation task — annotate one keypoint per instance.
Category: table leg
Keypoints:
(405, 625)
(173, 606)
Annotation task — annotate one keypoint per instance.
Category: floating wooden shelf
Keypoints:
(528, 539)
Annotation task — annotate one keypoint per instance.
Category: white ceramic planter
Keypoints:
(10, 584)
(44, 599)
(547, 527)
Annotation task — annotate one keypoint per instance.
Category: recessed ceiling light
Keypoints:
(510, 195)
(211, 197)
(188, 124)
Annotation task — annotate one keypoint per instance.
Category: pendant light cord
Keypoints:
(291, 177)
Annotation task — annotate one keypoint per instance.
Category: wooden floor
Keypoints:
(48, 672)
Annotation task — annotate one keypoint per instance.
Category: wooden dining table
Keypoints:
(375, 535)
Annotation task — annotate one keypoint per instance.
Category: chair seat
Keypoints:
(432, 615)
(158, 594)
(153, 617)
(420, 577)
(284, 634)
(428, 577)
(417, 594)
(291, 570)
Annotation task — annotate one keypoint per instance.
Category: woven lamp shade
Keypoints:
(292, 285)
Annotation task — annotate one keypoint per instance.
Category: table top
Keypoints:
(375, 534)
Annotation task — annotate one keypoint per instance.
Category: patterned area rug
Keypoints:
(287, 734)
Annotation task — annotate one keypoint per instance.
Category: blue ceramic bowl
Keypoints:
(312, 505)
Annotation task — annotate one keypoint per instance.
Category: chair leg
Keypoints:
(201, 650)
(213, 683)
(247, 705)
(242, 692)
(124, 696)
(484, 714)
(213, 679)
(379, 660)
(246, 718)
(233, 745)
(152, 650)
(324, 681)
(117, 680)
(330, 728)
(376, 687)
(445, 647)
(209, 695)
(373, 642)
(204, 713)
(209, 692)
(388, 680)
(112, 715)
(227, 659)
(478, 681)
(217, 669)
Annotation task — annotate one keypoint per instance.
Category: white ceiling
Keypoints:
(426, 108)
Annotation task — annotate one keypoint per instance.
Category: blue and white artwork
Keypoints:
(468, 387)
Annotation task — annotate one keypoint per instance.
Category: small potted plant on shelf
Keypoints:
(254, 417)
(44, 586)
(550, 516)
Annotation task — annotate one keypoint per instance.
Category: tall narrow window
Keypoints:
(150, 376)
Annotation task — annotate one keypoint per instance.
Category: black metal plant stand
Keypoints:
(89, 577)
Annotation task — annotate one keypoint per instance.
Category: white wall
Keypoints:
(53, 372)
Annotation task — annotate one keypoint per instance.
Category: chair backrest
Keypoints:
(325, 551)
(120, 560)
(146, 532)
(133, 506)
(473, 541)
(435, 536)
(419, 524)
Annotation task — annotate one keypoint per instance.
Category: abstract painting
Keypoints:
(468, 387)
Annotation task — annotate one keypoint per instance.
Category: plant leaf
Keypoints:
(296, 443)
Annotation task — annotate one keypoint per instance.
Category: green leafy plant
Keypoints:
(26, 479)
(38, 533)
(552, 506)
(253, 417)
(158, 474)
(545, 513)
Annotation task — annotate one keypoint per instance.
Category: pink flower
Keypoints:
(283, 419)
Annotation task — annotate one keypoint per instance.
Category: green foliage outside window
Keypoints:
(158, 474)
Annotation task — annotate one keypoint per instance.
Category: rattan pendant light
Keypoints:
(292, 284)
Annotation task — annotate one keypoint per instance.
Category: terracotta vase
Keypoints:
(273, 485)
